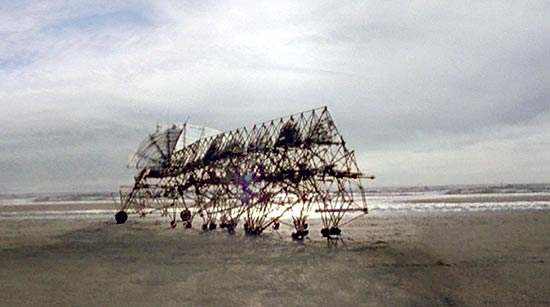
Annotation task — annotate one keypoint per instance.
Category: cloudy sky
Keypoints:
(426, 92)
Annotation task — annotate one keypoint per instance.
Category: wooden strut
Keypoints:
(365, 210)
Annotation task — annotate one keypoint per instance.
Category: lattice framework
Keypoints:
(294, 165)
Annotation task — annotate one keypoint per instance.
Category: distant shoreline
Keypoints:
(509, 188)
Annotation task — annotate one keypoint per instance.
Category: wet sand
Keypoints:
(454, 259)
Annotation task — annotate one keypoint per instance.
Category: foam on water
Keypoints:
(382, 207)
(433, 202)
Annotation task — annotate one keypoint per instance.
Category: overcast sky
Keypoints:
(426, 92)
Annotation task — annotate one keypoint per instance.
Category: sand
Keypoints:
(453, 259)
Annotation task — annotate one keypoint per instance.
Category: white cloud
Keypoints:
(421, 81)
(509, 154)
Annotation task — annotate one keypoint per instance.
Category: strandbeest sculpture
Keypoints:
(291, 166)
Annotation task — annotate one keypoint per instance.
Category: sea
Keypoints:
(380, 201)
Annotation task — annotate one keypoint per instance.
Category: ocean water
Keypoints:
(57, 214)
(464, 198)
(381, 201)
(431, 204)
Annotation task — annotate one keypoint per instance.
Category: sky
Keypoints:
(425, 92)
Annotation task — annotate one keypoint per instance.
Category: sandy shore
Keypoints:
(465, 259)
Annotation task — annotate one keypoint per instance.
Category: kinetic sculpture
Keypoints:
(291, 166)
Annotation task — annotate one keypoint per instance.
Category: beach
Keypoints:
(488, 258)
